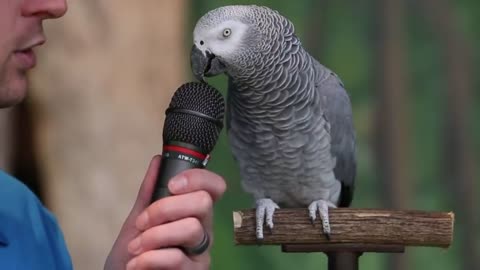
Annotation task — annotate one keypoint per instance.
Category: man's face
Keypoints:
(20, 31)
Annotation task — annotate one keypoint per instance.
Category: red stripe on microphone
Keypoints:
(185, 151)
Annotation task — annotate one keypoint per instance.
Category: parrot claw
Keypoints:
(322, 207)
(264, 213)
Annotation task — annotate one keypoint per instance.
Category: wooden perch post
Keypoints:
(354, 231)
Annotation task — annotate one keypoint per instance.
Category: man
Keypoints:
(172, 233)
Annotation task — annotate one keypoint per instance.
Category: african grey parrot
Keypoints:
(289, 119)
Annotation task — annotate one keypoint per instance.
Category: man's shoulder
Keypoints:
(11, 183)
(27, 226)
(14, 193)
(19, 206)
(17, 201)
(12, 188)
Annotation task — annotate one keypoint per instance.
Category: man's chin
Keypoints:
(13, 94)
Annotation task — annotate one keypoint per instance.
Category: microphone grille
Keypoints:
(195, 116)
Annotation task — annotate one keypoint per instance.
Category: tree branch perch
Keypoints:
(352, 229)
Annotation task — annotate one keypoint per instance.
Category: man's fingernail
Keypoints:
(177, 184)
(135, 247)
(132, 264)
(142, 221)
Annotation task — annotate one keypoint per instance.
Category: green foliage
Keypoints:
(348, 48)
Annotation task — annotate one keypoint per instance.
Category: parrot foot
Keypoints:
(322, 207)
(264, 213)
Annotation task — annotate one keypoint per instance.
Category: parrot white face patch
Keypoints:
(224, 40)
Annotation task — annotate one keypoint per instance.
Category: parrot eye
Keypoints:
(227, 32)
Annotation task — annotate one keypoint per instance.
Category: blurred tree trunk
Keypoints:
(98, 98)
(459, 166)
(392, 129)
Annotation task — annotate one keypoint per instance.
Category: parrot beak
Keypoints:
(198, 63)
(205, 65)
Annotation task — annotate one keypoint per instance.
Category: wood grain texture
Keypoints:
(372, 228)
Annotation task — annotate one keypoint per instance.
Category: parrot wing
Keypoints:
(338, 113)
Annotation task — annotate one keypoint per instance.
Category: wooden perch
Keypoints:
(362, 230)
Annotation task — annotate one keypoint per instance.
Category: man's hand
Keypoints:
(152, 235)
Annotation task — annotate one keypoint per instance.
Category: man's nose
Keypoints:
(47, 9)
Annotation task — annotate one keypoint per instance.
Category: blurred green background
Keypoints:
(348, 37)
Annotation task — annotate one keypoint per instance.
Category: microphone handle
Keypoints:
(174, 162)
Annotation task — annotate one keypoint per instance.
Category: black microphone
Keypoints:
(192, 125)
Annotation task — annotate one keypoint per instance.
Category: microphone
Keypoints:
(192, 125)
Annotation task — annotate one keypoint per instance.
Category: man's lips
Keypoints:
(26, 56)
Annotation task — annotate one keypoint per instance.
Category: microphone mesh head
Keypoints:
(195, 116)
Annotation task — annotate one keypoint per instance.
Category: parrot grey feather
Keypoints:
(279, 133)
(338, 112)
(289, 118)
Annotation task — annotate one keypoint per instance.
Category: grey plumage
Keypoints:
(289, 118)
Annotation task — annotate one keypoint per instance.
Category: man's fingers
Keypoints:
(156, 259)
(198, 179)
(187, 232)
(197, 204)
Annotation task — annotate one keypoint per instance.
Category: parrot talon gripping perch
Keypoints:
(264, 213)
(322, 207)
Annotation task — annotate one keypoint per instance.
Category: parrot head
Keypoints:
(234, 39)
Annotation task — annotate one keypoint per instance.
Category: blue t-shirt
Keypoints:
(30, 237)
